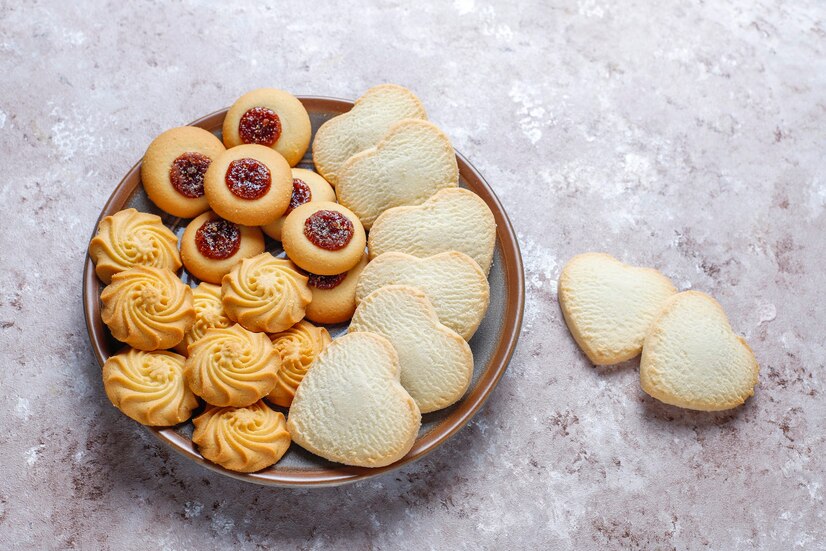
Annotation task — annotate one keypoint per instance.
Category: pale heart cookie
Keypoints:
(693, 359)
(609, 306)
(272, 118)
(351, 407)
(307, 186)
(334, 297)
(363, 126)
(454, 219)
(453, 282)
(410, 163)
(436, 362)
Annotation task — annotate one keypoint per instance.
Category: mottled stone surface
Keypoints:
(683, 135)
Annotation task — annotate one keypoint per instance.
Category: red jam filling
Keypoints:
(328, 229)
(218, 239)
(260, 125)
(301, 194)
(248, 178)
(326, 282)
(187, 174)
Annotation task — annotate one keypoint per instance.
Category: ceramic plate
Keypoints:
(492, 345)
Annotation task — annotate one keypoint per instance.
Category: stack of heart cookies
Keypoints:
(378, 235)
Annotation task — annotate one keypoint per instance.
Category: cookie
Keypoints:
(334, 297)
(609, 306)
(410, 163)
(209, 313)
(244, 439)
(173, 169)
(453, 282)
(211, 246)
(231, 366)
(307, 186)
(264, 293)
(436, 362)
(149, 387)
(692, 358)
(453, 219)
(362, 127)
(271, 118)
(147, 308)
(351, 407)
(130, 238)
(249, 184)
(323, 238)
(297, 347)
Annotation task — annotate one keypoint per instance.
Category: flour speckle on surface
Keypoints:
(22, 409)
(531, 112)
(193, 509)
(33, 454)
(464, 7)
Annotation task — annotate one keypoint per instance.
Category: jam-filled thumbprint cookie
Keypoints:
(323, 238)
(249, 184)
(174, 166)
(307, 186)
(211, 246)
(334, 296)
(272, 118)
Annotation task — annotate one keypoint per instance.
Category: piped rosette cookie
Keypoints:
(323, 238)
(245, 439)
(297, 347)
(272, 118)
(149, 387)
(174, 167)
(232, 366)
(130, 238)
(264, 293)
(211, 246)
(209, 313)
(307, 186)
(147, 308)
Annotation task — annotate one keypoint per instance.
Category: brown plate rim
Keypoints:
(467, 407)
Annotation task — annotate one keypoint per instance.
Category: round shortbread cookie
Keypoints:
(249, 184)
(409, 164)
(323, 238)
(211, 246)
(692, 358)
(609, 306)
(362, 127)
(174, 166)
(334, 297)
(307, 186)
(271, 118)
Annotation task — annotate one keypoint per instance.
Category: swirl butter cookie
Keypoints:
(174, 166)
(454, 219)
(264, 293)
(231, 366)
(453, 282)
(351, 407)
(147, 308)
(271, 118)
(436, 362)
(130, 238)
(249, 184)
(211, 246)
(410, 163)
(323, 238)
(297, 347)
(149, 387)
(307, 186)
(244, 439)
(209, 313)
(334, 297)
(362, 127)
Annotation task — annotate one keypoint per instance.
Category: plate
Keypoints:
(492, 345)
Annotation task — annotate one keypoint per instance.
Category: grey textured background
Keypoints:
(683, 135)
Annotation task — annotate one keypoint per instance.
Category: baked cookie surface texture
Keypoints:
(209, 313)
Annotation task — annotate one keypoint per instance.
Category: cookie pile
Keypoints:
(243, 342)
(691, 357)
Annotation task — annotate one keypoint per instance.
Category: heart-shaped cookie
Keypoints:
(436, 362)
(692, 358)
(351, 407)
(609, 306)
(410, 163)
